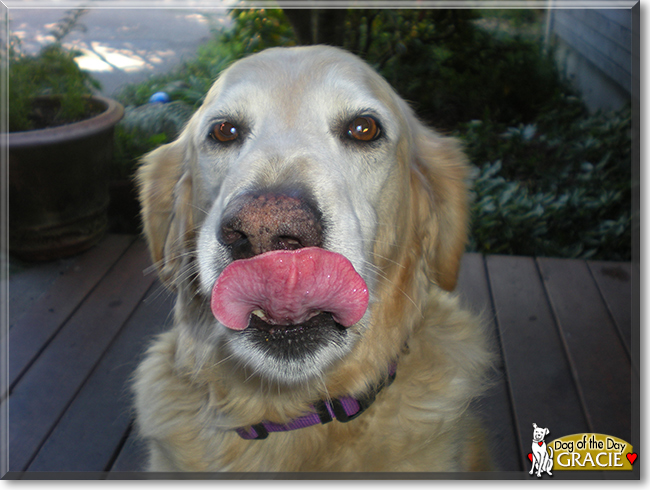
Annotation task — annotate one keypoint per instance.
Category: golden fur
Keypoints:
(189, 397)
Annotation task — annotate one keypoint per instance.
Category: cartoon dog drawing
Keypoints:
(542, 460)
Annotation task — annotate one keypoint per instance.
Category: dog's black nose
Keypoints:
(258, 222)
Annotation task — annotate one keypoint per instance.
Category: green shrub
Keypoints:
(129, 145)
(469, 73)
(565, 193)
(50, 72)
(143, 129)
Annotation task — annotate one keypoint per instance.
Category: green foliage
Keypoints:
(563, 193)
(469, 73)
(52, 71)
(518, 19)
(552, 180)
(151, 119)
(143, 129)
(256, 30)
(129, 145)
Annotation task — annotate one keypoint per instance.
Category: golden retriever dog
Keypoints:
(312, 230)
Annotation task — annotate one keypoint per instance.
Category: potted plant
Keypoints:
(60, 150)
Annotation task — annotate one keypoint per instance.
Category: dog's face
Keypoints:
(300, 149)
(539, 433)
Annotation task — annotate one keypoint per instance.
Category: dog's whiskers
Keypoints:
(198, 208)
(160, 263)
(388, 260)
(221, 361)
(383, 276)
(328, 397)
(159, 292)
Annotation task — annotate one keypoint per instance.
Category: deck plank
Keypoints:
(43, 393)
(599, 361)
(614, 280)
(543, 390)
(132, 457)
(495, 407)
(37, 326)
(93, 426)
(28, 282)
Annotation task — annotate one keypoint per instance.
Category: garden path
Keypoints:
(121, 45)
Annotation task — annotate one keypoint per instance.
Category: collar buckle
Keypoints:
(323, 412)
(343, 416)
(363, 402)
(256, 432)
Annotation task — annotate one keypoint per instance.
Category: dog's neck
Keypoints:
(322, 412)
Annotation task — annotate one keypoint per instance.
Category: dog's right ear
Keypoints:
(534, 425)
(439, 168)
(165, 193)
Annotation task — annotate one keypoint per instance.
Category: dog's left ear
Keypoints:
(165, 191)
(438, 178)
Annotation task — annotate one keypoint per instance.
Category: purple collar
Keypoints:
(342, 409)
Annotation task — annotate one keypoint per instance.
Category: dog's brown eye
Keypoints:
(224, 132)
(364, 129)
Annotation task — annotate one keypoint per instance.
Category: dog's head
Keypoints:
(539, 433)
(303, 157)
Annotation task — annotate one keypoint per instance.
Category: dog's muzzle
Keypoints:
(283, 290)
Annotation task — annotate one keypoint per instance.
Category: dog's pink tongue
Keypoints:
(289, 286)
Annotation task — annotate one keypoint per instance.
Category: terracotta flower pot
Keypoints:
(58, 185)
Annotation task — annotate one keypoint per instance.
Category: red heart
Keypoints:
(540, 442)
(631, 457)
(530, 456)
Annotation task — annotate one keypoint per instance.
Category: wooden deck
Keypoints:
(569, 356)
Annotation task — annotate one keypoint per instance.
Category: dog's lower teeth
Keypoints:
(313, 314)
(260, 314)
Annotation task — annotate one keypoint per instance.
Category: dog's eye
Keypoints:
(224, 132)
(363, 128)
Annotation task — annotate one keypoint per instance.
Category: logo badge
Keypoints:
(579, 452)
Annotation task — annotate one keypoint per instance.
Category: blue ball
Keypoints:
(159, 98)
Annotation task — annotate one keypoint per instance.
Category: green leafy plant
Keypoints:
(564, 192)
(52, 72)
(143, 129)
(129, 145)
(452, 69)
